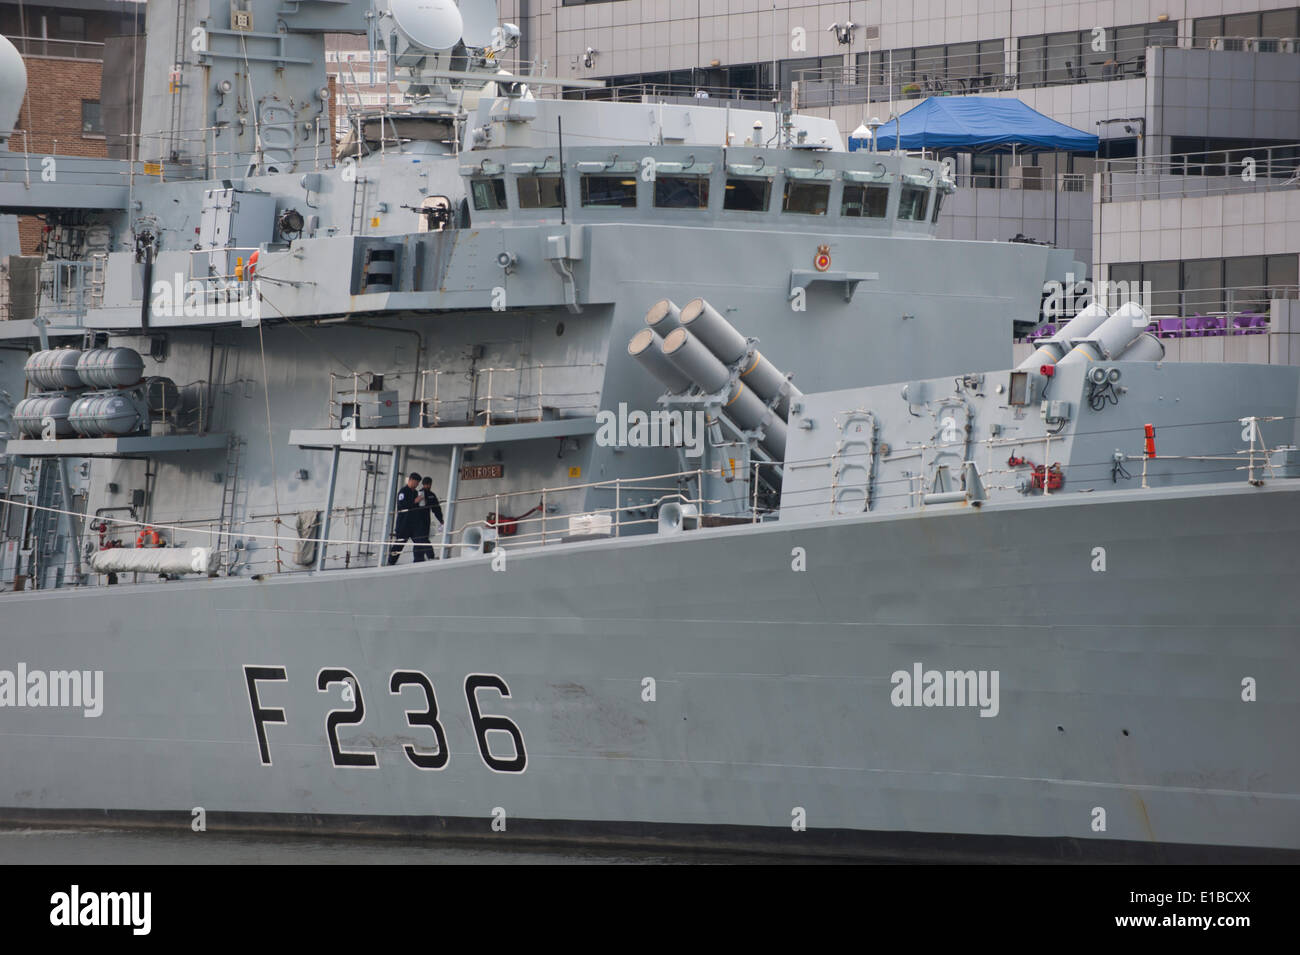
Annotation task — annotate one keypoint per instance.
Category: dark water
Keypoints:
(135, 847)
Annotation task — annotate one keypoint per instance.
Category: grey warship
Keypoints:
(756, 536)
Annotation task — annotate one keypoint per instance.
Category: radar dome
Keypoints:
(429, 24)
(480, 20)
(13, 86)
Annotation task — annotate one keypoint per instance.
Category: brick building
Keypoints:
(63, 48)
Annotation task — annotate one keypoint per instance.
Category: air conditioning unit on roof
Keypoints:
(1227, 43)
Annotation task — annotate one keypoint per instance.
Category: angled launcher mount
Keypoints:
(708, 366)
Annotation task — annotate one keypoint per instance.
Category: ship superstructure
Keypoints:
(727, 442)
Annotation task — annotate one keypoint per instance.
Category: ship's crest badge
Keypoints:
(822, 260)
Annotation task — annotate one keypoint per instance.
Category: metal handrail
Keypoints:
(534, 403)
(40, 46)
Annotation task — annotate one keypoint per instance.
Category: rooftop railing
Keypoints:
(1197, 313)
(64, 49)
(1192, 175)
(882, 76)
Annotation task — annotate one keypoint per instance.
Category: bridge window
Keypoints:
(938, 201)
(609, 191)
(911, 203)
(539, 192)
(865, 202)
(807, 198)
(682, 192)
(488, 193)
(747, 195)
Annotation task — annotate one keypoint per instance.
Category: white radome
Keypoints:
(13, 86)
(428, 24)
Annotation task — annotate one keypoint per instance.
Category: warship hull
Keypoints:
(746, 686)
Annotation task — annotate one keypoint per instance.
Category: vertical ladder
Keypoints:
(98, 261)
(229, 491)
(178, 62)
(372, 470)
(359, 205)
(45, 525)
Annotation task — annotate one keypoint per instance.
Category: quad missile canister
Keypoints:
(1051, 350)
(1111, 337)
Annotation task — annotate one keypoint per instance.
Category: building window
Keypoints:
(1062, 63)
(71, 28)
(1070, 57)
(488, 193)
(539, 192)
(1271, 23)
(911, 203)
(682, 192)
(92, 120)
(984, 171)
(1284, 270)
(1203, 286)
(806, 198)
(822, 69)
(1208, 287)
(992, 64)
(609, 191)
(1279, 23)
(747, 195)
(865, 202)
(1033, 49)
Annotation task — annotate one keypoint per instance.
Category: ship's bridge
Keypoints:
(737, 187)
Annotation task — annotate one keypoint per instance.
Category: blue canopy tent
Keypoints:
(981, 124)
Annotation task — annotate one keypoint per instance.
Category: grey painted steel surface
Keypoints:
(1118, 690)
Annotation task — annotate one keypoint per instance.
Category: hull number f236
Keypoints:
(419, 687)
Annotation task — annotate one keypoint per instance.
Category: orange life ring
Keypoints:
(252, 263)
(148, 538)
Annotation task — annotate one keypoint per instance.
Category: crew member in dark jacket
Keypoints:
(427, 507)
(406, 525)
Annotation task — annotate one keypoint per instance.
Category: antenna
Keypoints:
(564, 199)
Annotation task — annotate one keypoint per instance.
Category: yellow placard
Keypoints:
(575, 472)
(153, 169)
(374, 222)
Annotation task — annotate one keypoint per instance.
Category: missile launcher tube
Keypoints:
(719, 335)
(663, 317)
(1111, 337)
(647, 348)
(1051, 350)
(694, 360)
